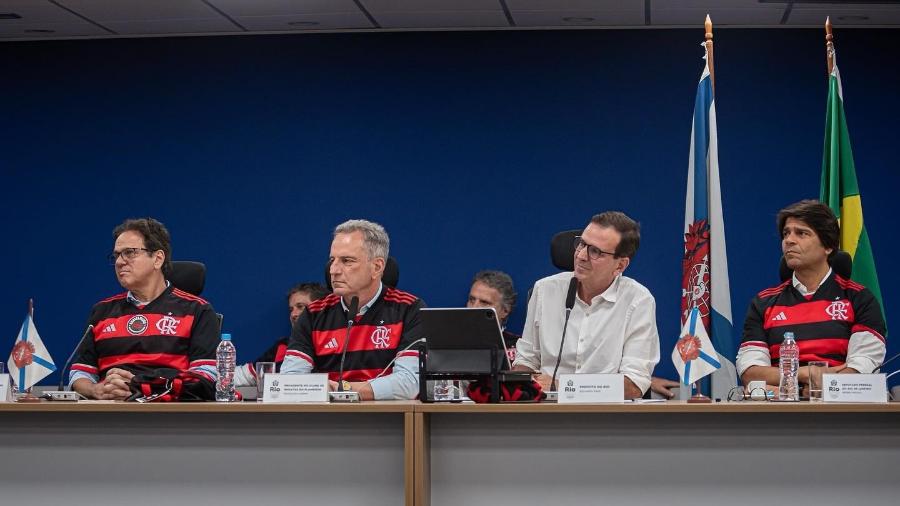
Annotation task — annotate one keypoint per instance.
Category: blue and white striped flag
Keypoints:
(694, 356)
(29, 361)
(705, 266)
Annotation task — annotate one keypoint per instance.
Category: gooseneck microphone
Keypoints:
(62, 373)
(886, 362)
(570, 303)
(351, 318)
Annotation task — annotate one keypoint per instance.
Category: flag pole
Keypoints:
(707, 25)
(829, 45)
(31, 308)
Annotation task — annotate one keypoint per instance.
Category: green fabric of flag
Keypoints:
(840, 191)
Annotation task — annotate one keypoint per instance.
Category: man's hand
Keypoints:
(114, 386)
(544, 381)
(662, 386)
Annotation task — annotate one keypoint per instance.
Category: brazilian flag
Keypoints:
(840, 190)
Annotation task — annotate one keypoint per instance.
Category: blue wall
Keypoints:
(472, 149)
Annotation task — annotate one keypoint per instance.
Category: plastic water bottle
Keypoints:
(788, 365)
(225, 359)
(443, 390)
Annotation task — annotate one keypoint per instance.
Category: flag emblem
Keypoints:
(23, 353)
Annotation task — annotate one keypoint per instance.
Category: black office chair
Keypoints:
(188, 276)
(391, 276)
(562, 250)
(840, 262)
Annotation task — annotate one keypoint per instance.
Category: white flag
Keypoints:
(29, 361)
(694, 356)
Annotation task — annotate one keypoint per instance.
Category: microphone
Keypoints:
(62, 374)
(886, 362)
(570, 303)
(351, 317)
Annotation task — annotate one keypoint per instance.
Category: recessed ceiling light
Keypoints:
(853, 18)
(304, 23)
(577, 20)
(9, 15)
(36, 30)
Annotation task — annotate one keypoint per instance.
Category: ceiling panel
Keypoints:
(374, 6)
(845, 15)
(172, 26)
(575, 5)
(333, 21)
(762, 15)
(243, 8)
(79, 28)
(140, 10)
(486, 19)
(578, 18)
(34, 11)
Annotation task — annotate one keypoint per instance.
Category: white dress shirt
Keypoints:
(613, 333)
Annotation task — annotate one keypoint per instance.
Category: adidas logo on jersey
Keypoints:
(109, 328)
(780, 317)
(330, 345)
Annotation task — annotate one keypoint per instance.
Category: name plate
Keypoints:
(854, 388)
(591, 388)
(6, 394)
(290, 388)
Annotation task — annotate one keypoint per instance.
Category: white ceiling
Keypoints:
(66, 19)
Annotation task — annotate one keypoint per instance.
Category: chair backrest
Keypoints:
(188, 276)
(841, 263)
(562, 250)
(391, 276)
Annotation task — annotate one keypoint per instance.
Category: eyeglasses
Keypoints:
(594, 253)
(128, 254)
(738, 394)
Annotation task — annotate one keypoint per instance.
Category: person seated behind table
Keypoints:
(612, 327)
(300, 296)
(833, 319)
(385, 329)
(495, 289)
(151, 325)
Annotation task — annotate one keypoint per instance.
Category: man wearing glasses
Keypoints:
(612, 326)
(151, 325)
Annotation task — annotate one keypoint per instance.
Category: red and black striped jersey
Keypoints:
(822, 322)
(389, 325)
(176, 330)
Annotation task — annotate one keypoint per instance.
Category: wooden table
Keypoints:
(102, 453)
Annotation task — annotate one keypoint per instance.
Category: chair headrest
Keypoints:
(562, 250)
(188, 276)
(841, 264)
(391, 276)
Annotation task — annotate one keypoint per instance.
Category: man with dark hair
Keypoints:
(612, 327)
(833, 319)
(151, 325)
(381, 362)
(298, 297)
(495, 289)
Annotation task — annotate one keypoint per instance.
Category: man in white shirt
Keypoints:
(612, 327)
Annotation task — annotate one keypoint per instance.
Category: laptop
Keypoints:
(459, 340)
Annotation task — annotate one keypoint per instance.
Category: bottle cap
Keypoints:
(226, 337)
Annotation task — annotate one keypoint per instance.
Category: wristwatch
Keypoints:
(345, 386)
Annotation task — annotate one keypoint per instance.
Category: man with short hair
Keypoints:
(833, 319)
(151, 325)
(495, 289)
(612, 327)
(381, 362)
(298, 297)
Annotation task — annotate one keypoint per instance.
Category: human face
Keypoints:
(140, 271)
(802, 248)
(482, 295)
(352, 271)
(297, 303)
(597, 275)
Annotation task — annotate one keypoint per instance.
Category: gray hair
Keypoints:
(500, 281)
(374, 237)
